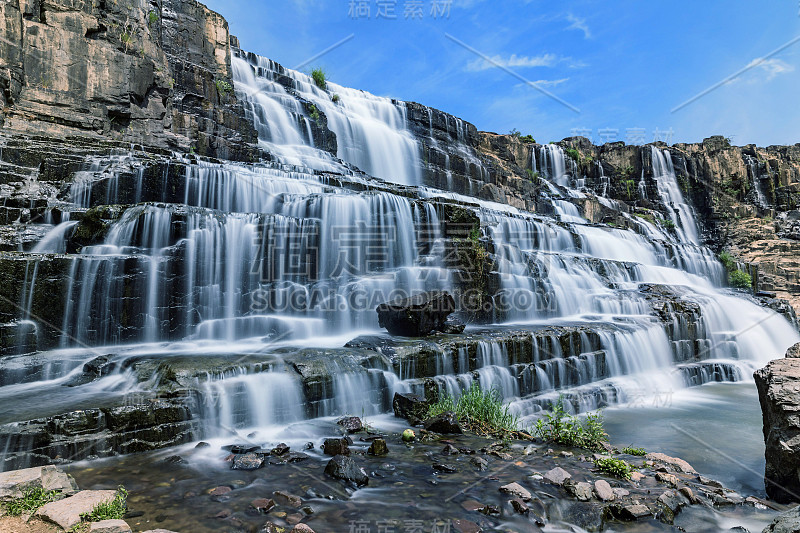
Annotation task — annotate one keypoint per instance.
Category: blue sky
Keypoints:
(624, 64)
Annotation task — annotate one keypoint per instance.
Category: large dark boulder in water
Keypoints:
(341, 467)
(445, 423)
(417, 316)
(412, 407)
(779, 393)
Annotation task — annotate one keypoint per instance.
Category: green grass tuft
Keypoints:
(740, 280)
(614, 467)
(111, 510)
(30, 502)
(480, 411)
(639, 452)
(563, 428)
(727, 261)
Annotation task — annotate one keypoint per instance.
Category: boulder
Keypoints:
(67, 512)
(351, 424)
(680, 464)
(604, 491)
(287, 499)
(445, 423)
(15, 482)
(418, 315)
(247, 461)
(335, 447)
(110, 526)
(788, 522)
(778, 387)
(557, 476)
(412, 407)
(378, 447)
(344, 468)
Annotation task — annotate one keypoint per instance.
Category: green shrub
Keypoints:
(314, 113)
(224, 88)
(335, 98)
(114, 509)
(573, 154)
(563, 428)
(629, 450)
(318, 75)
(152, 18)
(740, 279)
(667, 224)
(30, 502)
(727, 261)
(480, 411)
(614, 467)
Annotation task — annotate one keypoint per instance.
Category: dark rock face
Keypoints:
(417, 316)
(779, 393)
(335, 447)
(445, 423)
(344, 468)
(351, 424)
(788, 522)
(412, 407)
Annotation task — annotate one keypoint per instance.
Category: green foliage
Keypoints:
(30, 502)
(335, 98)
(563, 428)
(740, 279)
(639, 452)
(475, 235)
(614, 467)
(224, 88)
(314, 113)
(110, 510)
(152, 18)
(533, 176)
(573, 154)
(667, 224)
(528, 139)
(480, 411)
(318, 75)
(630, 186)
(626, 172)
(125, 37)
(727, 261)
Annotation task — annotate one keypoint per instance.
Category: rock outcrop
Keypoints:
(153, 73)
(418, 315)
(779, 393)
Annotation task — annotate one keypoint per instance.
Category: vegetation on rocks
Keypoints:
(32, 499)
(614, 467)
(111, 510)
(639, 452)
(563, 428)
(318, 75)
(482, 412)
(740, 280)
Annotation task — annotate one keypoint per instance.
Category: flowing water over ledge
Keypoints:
(216, 296)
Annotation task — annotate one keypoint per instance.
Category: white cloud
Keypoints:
(549, 83)
(772, 67)
(579, 24)
(546, 60)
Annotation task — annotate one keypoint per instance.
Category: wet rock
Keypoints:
(202, 444)
(557, 476)
(280, 449)
(15, 482)
(287, 499)
(620, 493)
(788, 522)
(220, 491)
(294, 518)
(248, 461)
(604, 491)
(344, 468)
(449, 449)
(519, 506)
(445, 423)
(351, 424)
(262, 505)
(582, 491)
(296, 457)
(669, 479)
(417, 316)
(67, 513)
(709, 482)
(465, 526)
(453, 326)
(587, 516)
(270, 527)
(680, 464)
(412, 407)
(302, 528)
(241, 449)
(627, 512)
(517, 490)
(472, 505)
(445, 468)
(779, 393)
(378, 448)
(110, 526)
(672, 503)
(480, 463)
(175, 460)
(335, 447)
(689, 495)
(637, 476)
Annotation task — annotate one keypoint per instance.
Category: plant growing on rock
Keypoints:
(152, 18)
(560, 427)
(480, 411)
(314, 113)
(224, 88)
(740, 280)
(32, 499)
(614, 467)
(639, 452)
(318, 75)
(573, 154)
(727, 261)
(335, 98)
(114, 509)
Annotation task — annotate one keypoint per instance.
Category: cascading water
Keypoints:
(284, 262)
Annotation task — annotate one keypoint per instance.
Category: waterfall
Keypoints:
(680, 213)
